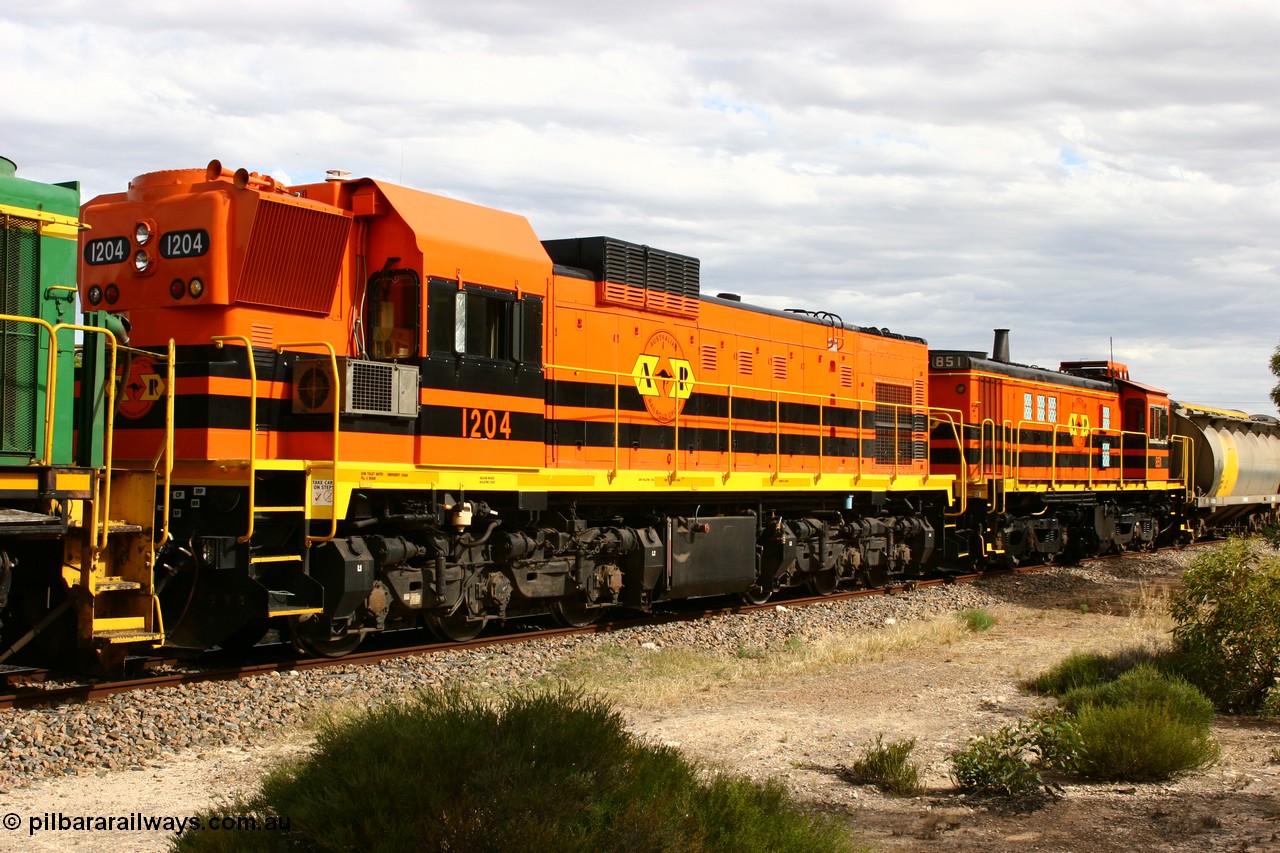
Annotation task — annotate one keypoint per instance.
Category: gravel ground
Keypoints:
(182, 750)
(149, 728)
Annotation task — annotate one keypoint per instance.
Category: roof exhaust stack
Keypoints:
(1000, 346)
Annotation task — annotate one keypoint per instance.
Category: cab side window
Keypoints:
(392, 307)
(1158, 423)
(484, 323)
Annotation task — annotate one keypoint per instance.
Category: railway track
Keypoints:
(32, 688)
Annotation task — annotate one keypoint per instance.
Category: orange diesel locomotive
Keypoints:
(1075, 461)
(373, 406)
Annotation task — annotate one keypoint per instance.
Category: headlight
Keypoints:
(141, 261)
(142, 233)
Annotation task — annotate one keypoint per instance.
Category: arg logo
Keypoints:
(139, 390)
(663, 376)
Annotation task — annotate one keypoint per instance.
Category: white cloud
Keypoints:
(1078, 172)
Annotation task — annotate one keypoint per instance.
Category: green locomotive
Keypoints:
(76, 536)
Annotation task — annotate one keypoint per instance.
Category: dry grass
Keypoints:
(654, 679)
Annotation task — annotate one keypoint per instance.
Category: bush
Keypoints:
(1139, 742)
(1227, 628)
(1146, 685)
(977, 619)
(1007, 762)
(887, 767)
(1084, 669)
(552, 770)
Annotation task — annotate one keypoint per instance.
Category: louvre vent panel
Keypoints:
(294, 257)
(632, 275)
(779, 365)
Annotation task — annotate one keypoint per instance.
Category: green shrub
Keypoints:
(1139, 742)
(1008, 761)
(977, 619)
(1053, 737)
(551, 770)
(996, 763)
(1146, 685)
(1084, 669)
(1227, 617)
(887, 766)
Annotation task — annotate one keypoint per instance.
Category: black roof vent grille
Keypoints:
(632, 275)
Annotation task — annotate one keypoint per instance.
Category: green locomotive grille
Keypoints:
(19, 342)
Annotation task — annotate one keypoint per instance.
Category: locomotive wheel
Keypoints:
(755, 595)
(574, 613)
(822, 583)
(455, 627)
(308, 639)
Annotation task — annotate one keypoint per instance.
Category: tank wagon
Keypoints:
(1234, 466)
(75, 532)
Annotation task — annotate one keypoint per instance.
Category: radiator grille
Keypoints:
(19, 342)
(294, 257)
(899, 429)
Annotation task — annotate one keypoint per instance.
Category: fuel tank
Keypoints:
(1236, 458)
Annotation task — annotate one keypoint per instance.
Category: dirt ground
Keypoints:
(804, 730)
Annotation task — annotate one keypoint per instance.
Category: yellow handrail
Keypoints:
(944, 417)
(337, 412)
(103, 511)
(168, 438)
(219, 341)
(51, 381)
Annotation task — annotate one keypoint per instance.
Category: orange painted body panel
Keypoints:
(751, 361)
(1056, 432)
(668, 387)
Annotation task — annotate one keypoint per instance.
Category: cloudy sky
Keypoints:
(1092, 175)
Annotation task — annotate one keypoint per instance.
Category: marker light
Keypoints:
(195, 288)
(95, 295)
(177, 289)
(112, 294)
